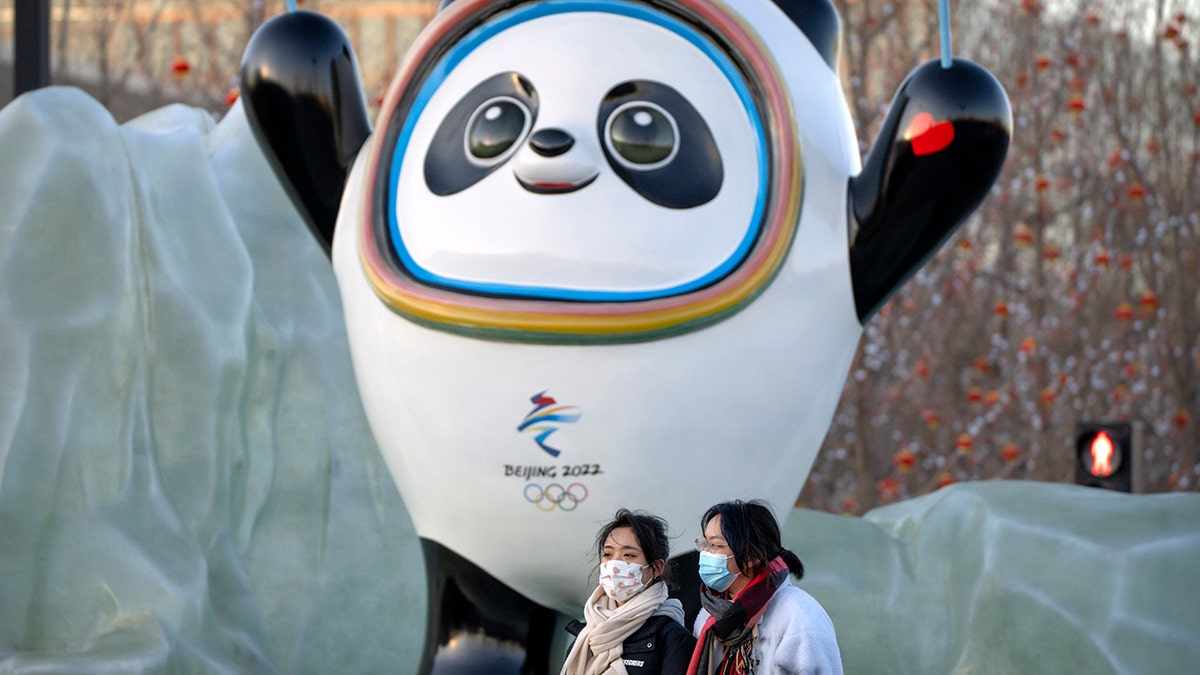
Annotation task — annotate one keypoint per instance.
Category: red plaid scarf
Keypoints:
(735, 624)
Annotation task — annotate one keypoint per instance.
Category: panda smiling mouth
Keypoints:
(555, 188)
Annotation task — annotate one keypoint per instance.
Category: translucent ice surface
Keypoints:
(188, 483)
(1011, 577)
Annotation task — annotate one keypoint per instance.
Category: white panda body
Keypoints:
(736, 407)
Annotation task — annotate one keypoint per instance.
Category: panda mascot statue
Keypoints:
(604, 253)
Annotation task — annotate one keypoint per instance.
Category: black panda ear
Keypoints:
(938, 153)
(304, 102)
(819, 22)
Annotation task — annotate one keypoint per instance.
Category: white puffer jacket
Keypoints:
(795, 635)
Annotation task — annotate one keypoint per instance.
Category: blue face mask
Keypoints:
(714, 573)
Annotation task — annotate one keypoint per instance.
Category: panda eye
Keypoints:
(494, 129)
(642, 135)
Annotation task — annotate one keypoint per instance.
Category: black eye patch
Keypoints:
(480, 133)
(659, 144)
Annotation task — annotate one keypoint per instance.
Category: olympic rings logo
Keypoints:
(555, 496)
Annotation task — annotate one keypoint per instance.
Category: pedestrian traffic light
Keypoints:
(1106, 455)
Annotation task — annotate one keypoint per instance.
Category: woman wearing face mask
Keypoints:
(752, 619)
(631, 626)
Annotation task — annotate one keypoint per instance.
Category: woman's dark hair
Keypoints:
(651, 533)
(752, 532)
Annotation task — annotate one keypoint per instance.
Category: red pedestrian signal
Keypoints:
(1102, 457)
(1106, 454)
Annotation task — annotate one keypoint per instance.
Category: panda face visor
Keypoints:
(580, 171)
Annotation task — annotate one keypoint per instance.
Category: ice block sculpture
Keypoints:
(1011, 577)
(187, 483)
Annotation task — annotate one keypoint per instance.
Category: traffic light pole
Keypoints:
(31, 45)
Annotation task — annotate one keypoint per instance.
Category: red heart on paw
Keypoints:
(927, 136)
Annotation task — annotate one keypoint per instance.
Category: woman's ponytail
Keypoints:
(793, 562)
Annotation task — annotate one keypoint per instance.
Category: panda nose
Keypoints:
(551, 142)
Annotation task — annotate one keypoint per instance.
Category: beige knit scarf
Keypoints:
(597, 650)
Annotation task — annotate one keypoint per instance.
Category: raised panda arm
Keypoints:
(303, 97)
(938, 153)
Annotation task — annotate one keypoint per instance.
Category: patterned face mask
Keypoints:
(621, 580)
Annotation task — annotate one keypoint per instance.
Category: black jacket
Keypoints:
(661, 645)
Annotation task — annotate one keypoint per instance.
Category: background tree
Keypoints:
(1072, 294)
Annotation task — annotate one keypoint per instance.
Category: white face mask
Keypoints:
(621, 580)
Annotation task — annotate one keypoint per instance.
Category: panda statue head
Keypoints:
(603, 253)
(586, 172)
